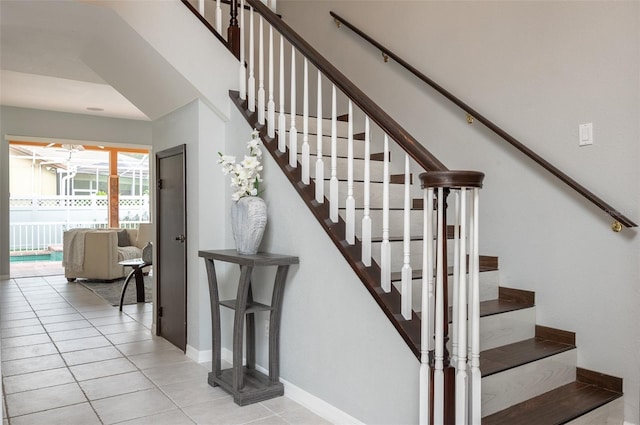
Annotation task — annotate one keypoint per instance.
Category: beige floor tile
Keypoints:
(115, 385)
(120, 327)
(225, 411)
(21, 341)
(56, 311)
(271, 420)
(177, 372)
(22, 331)
(73, 334)
(19, 323)
(161, 358)
(173, 417)
(132, 336)
(281, 404)
(60, 318)
(82, 344)
(131, 406)
(110, 320)
(17, 316)
(28, 351)
(148, 346)
(16, 367)
(102, 369)
(108, 311)
(36, 380)
(92, 355)
(303, 416)
(66, 326)
(77, 414)
(44, 399)
(193, 392)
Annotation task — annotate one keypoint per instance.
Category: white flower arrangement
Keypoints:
(245, 176)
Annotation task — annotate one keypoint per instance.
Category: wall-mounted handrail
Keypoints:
(414, 148)
(613, 212)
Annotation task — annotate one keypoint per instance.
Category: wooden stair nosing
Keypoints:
(409, 330)
(558, 406)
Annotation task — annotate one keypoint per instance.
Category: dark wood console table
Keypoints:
(244, 382)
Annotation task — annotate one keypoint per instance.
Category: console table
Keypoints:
(244, 382)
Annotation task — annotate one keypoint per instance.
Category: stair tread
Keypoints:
(417, 273)
(519, 353)
(557, 406)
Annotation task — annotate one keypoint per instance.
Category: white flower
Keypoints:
(245, 176)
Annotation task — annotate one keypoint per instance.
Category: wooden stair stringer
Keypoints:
(409, 330)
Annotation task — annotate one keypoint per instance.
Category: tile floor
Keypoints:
(69, 358)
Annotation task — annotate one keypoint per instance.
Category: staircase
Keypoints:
(529, 372)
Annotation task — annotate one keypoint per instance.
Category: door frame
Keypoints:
(176, 150)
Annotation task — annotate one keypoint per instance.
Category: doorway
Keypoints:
(171, 233)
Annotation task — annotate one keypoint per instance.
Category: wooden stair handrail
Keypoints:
(604, 206)
(415, 149)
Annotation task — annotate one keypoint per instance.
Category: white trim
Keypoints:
(5, 277)
(295, 393)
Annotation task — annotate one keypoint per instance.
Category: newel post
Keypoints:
(444, 376)
(233, 32)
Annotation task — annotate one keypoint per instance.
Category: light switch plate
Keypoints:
(585, 134)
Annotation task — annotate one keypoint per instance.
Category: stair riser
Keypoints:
(611, 413)
(376, 168)
(507, 328)
(342, 127)
(513, 327)
(397, 253)
(504, 389)
(342, 147)
(488, 289)
(396, 222)
(396, 194)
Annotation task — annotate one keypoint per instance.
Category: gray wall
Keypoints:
(57, 125)
(538, 69)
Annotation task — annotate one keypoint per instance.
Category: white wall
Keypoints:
(57, 125)
(538, 69)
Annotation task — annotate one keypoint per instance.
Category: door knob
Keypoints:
(181, 238)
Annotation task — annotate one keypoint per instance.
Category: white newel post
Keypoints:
(476, 377)
(460, 321)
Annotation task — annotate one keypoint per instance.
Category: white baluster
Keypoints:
(351, 202)
(219, 17)
(385, 247)
(282, 121)
(201, 8)
(261, 105)
(319, 161)
(305, 123)
(426, 333)
(456, 279)
(242, 73)
(293, 133)
(366, 219)
(271, 106)
(407, 272)
(333, 183)
(461, 320)
(476, 377)
(438, 375)
(251, 83)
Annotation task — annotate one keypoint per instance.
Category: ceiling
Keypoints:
(70, 56)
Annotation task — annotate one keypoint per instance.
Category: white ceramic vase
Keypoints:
(248, 221)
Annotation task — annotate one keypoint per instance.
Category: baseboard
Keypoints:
(295, 393)
(4, 277)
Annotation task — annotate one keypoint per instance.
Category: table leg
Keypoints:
(124, 287)
(238, 326)
(216, 334)
(139, 284)
(274, 323)
(251, 334)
